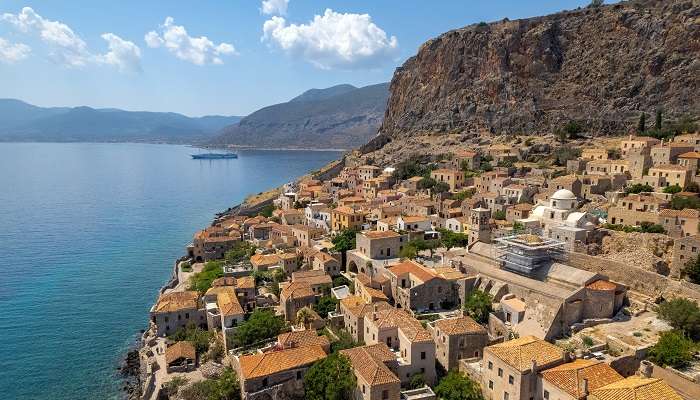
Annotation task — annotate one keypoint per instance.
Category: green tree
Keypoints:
(595, 4)
(500, 215)
(267, 211)
(409, 251)
(638, 188)
(682, 314)
(449, 239)
(673, 189)
(518, 227)
(241, 251)
(325, 305)
(465, 194)
(691, 270)
(201, 281)
(642, 125)
(659, 120)
(199, 338)
(330, 379)
(417, 381)
(426, 183)
(681, 202)
(455, 386)
(441, 187)
(344, 241)
(650, 227)
(344, 341)
(692, 187)
(673, 349)
(225, 387)
(565, 153)
(260, 326)
(478, 305)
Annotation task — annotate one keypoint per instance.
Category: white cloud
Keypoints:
(66, 46)
(12, 52)
(197, 50)
(276, 7)
(333, 40)
(123, 54)
(69, 49)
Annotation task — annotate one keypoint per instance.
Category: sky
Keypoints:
(226, 57)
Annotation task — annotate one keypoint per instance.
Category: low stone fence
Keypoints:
(645, 282)
(686, 386)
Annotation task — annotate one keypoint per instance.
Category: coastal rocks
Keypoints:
(131, 371)
(600, 67)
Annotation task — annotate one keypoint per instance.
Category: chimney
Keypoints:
(374, 316)
(583, 388)
(646, 368)
(376, 308)
(533, 366)
(630, 136)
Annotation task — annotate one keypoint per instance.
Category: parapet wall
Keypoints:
(639, 280)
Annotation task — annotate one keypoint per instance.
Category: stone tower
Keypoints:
(479, 226)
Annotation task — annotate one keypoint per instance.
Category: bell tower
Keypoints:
(479, 226)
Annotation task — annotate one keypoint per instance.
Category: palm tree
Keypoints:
(304, 317)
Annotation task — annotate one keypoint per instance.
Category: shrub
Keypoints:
(201, 281)
(260, 326)
(565, 153)
(673, 349)
(673, 189)
(267, 211)
(691, 270)
(501, 215)
(199, 338)
(681, 202)
(638, 188)
(417, 381)
(478, 305)
(330, 379)
(456, 386)
(225, 387)
(325, 305)
(241, 251)
(682, 314)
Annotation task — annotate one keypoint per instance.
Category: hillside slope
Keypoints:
(344, 118)
(598, 66)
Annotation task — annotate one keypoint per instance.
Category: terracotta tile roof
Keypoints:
(302, 339)
(224, 281)
(180, 350)
(684, 213)
(313, 277)
(226, 300)
(380, 234)
(265, 364)
(636, 388)
(176, 301)
(449, 273)
(413, 268)
(369, 363)
(690, 154)
(460, 326)
(245, 282)
(324, 257)
(523, 207)
(264, 259)
(519, 353)
(297, 290)
(375, 294)
(569, 377)
(601, 284)
(413, 218)
(400, 319)
(358, 307)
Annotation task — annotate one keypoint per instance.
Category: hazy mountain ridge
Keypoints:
(338, 117)
(20, 121)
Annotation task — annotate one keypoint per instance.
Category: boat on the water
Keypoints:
(213, 156)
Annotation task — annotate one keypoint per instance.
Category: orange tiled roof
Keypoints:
(358, 307)
(601, 284)
(460, 326)
(380, 234)
(568, 377)
(369, 363)
(519, 353)
(302, 339)
(176, 301)
(636, 388)
(246, 282)
(413, 268)
(296, 290)
(684, 213)
(265, 364)
(180, 350)
(690, 154)
(226, 300)
(400, 319)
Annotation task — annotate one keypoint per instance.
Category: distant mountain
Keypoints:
(341, 116)
(20, 121)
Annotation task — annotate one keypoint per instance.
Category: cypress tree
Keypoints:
(641, 127)
(659, 117)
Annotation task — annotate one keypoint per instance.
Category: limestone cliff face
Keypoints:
(599, 66)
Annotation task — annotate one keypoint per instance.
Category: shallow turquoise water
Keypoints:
(88, 233)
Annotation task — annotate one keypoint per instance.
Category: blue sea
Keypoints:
(88, 234)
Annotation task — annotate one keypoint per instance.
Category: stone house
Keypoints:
(454, 178)
(509, 369)
(375, 368)
(413, 223)
(634, 209)
(175, 310)
(680, 223)
(412, 183)
(456, 339)
(354, 309)
(664, 175)
(518, 211)
(503, 152)
(637, 144)
(275, 374)
(295, 296)
(325, 262)
(223, 310)
(211, 244)
(289, 262)
(516, 193)
(466, 158)
(575, 380)
(667, 153)
(304, 338)
(685, 250)
(602, 167)
(569, 182)
(689, 138)
(635, 387)
(405, 334)
(305, 235)
(319, 281)
(180, 357)
(484, 182)
(367, 172)
(264, 262)
(457, 224)
(690, 161)
(594, 153)
(418, 206)
(415, 287)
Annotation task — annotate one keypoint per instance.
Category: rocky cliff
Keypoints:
(599, 66)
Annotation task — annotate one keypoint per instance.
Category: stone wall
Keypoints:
(639, 280)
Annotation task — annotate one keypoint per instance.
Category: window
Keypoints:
(422, 355)
(490, 365)
(264, 382)
(511, 380)
(491, 385)
(505, 396)
(500, 372)
(385, 394)
(298, 375)
(546, 395)
(363, 389)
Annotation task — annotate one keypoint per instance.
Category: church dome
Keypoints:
(563, 194)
